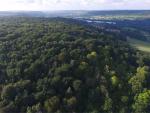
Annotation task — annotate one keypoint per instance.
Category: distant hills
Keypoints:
(73, 13)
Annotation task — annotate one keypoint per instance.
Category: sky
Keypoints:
(46, 5)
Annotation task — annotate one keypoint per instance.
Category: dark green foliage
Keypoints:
(51, 105)
(57, 65)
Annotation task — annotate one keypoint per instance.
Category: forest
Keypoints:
(58, 65)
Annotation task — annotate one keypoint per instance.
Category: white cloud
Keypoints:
(73, 4)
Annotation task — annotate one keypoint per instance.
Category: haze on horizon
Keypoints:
(46, 5)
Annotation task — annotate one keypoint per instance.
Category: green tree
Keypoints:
(77, 84)
(138, 81)
(71, 103)
(107, 105)
(142, 102)
(8, 92)
(51, 105)
(114, 80)
(34, 109)
(92, 55)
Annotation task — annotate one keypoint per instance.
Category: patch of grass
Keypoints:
(140, 45)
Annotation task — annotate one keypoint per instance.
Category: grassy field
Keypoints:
(140, 45)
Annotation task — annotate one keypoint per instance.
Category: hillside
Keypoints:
(60, 65)
(135, 31)
(140, 45)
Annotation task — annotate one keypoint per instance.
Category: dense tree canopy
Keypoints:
(56, 65)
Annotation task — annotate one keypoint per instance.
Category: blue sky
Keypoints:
(73, 4)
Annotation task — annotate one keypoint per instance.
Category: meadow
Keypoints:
(140, 45)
